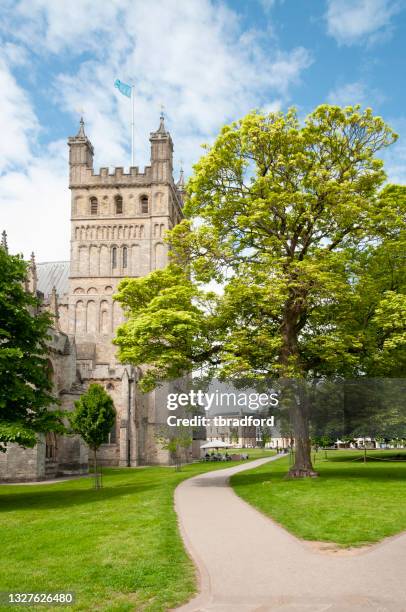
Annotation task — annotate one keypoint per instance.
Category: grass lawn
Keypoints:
(118, 548)
(351, 503)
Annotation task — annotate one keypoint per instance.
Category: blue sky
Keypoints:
(207, 62)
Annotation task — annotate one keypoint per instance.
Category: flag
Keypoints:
(123, 88)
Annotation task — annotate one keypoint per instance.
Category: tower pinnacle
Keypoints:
(4, 240)
(161, 129)
(80, 155)
(32, 277)
(53, 307)
(181, 182)
(81, 132)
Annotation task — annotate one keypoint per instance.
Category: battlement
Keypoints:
(82, 173)
(84, 176)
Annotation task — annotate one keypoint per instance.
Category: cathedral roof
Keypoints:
(53, 274)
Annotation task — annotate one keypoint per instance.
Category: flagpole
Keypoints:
(132, 126)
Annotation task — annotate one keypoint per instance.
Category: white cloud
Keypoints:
(358, 21)
(268, 5)
(348, 94)
(357, 92)
(194, 60)
(16, 55)
(193, 57)
(58, 25)
(35, 206)
(18, 122)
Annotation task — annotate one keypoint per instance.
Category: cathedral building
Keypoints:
(118, 222)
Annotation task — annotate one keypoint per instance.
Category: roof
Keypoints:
(53, 274)
(216, 444)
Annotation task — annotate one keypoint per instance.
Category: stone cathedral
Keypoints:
(117, 225)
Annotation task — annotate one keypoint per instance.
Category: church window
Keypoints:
(93, 206)
(104, 317)
(114, 257)
(144, 205)
(119, 205)
(125, 257)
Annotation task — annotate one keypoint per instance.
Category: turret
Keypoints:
(4, 241)
(180, 185)
(54, 307)
(32, 278)
(80, 154)
(161, 153)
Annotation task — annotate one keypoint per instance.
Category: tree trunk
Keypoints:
(297, 397)
(299, 413)
(96, 476)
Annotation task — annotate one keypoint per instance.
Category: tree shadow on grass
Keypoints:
(359, 458)
(65, 498)
(359, 472)
(364, 471)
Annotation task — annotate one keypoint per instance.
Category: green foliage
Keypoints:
(94, 416)
(169, 326)
(176, 440)
(283, 208)
(293, 221)
(25, 375)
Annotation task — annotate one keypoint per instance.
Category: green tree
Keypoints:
(266, 435)
(92, 419)
(172, 325)
(234, 435)
(282, 208)
(176, 440)
(25, 373)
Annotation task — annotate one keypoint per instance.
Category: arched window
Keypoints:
(144, 205)
(93, 206)
(125, 257)
(114, 257)
(119, 205)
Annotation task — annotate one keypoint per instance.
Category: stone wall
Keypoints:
(22, 465)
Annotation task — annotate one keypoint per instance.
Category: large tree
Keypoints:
(25, 375)
(284, 211)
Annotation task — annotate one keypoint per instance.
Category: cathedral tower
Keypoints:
(118, 222)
